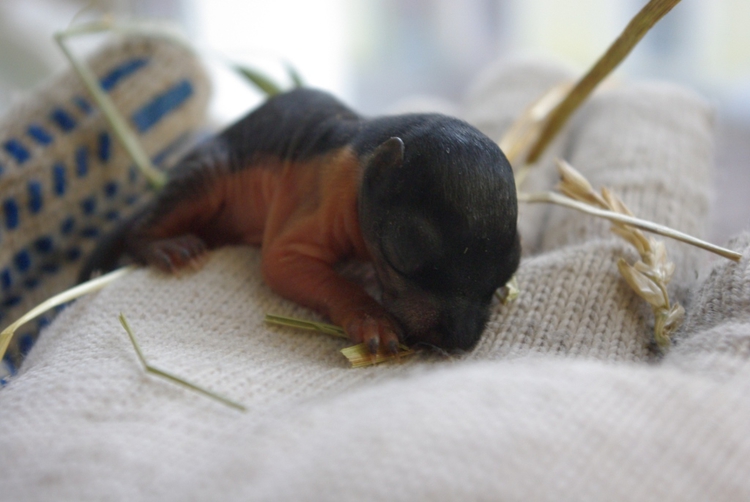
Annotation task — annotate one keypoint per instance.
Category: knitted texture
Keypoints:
(65, 178)
(555, 403)
(715, 340)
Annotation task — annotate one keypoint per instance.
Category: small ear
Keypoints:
(386, 157)
(380, 182)
(390, 153)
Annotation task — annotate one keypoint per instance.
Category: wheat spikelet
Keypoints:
(650, 275)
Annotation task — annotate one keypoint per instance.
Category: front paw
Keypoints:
(374, 328)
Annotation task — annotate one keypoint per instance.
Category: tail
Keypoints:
(106, 255)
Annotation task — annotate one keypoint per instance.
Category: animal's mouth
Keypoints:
(452, 334)
(425, 320)
(430, 338)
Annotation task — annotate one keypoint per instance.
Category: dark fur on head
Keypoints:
(438, 210)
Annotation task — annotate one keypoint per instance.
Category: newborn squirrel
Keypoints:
(429, 199)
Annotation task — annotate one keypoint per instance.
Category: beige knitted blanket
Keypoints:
(564, 398)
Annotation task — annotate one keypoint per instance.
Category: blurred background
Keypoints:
(373, 53)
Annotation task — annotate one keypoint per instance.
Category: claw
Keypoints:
(172, 255)
(373, 345)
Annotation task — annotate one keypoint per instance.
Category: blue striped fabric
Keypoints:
(146, 117)
(16, 149)
(10, 208)
(121, 72)
(47, 254)
(36, 198)
(83, 105)
(82, 161)
(104, 147)
(39, 134)
(59, 178)
(63, 120)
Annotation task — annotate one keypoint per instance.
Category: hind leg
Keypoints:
(170, 233)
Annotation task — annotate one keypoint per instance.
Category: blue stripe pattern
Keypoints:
(73, 253)
(63, 119)
(147, 116)
(50, 268)
(9, 364)
(58, 179)
(43, 322)
(22, 260)
(110, 189)
(44, 245)
(25, 343)
(16, 149)
(104, 147)
(12, 301)
(67, 226)
(120, 72)
(49, 252)
(39, 134)
(6, 280)
(90, 232)
(82, 161)
(83, 105)
(88, 205)
(11, 213)
(36, 201)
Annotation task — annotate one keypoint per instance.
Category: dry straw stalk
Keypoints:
(171, 377)
(617, 52)
(60, 299)
(358, 355)
(123, 131)
(626, 219)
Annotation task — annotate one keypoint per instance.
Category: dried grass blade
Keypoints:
(509, 292)
(171, 377)
(294, 75)
(260, 80)
(291, 322)
(561, 200)
(60, 299)
(526, 128)
(358, 355)
(617, 52)
(120, 127)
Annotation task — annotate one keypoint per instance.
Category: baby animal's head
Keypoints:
(438, 211)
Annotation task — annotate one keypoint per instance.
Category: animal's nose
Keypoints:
(458, 328)
(461, 327)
